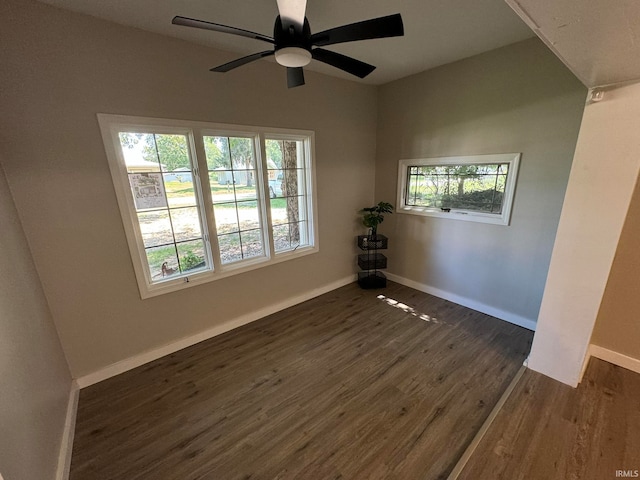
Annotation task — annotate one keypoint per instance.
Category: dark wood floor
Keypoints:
(344, 386)
(547, 430)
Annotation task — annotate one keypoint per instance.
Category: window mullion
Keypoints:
(265, 198)
(207, 203)
(262, 187)
(305, 196)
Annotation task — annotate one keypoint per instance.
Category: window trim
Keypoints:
(111, 125)
(311, 213)
(504, 218)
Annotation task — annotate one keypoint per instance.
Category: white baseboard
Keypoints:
(467, 302)
(616, 358)
(150, 355)
(66, 447)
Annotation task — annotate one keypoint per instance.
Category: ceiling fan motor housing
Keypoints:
(291, 35)
(292, 43)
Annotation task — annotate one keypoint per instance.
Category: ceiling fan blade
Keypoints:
(390, 26)
(241, 61)
(295, 77)
(292, 11)
(216, 27)
(348, 64)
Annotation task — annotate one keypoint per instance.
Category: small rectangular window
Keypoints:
(477, 188)
(253, 204)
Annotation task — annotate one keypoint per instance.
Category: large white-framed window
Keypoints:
(478, 188)
(201, 201)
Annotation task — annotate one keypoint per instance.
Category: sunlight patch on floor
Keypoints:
(407, 309)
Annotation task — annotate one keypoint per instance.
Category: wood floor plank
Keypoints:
(548, 430)
(353, 384)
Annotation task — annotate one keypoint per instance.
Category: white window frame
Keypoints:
(503, 218)
(309, 187)
(112, 125)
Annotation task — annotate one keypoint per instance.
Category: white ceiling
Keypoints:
(599, 40)
(436, 31)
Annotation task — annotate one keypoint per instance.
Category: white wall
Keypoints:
(603, 176)
(59, 70)
(34, 377)
(519, 98)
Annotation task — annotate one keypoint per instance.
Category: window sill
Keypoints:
(464, 215)
(180, 283)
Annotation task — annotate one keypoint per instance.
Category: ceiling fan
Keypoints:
(294, 46)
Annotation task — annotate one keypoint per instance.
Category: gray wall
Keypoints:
(34, 377)
(519, 98)
(59, 70)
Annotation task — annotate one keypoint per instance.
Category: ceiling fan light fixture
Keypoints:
(293, 57)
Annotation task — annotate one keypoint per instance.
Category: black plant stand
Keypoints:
(371, 262)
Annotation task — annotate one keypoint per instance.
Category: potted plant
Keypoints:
(372, 261)
(374, 216)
